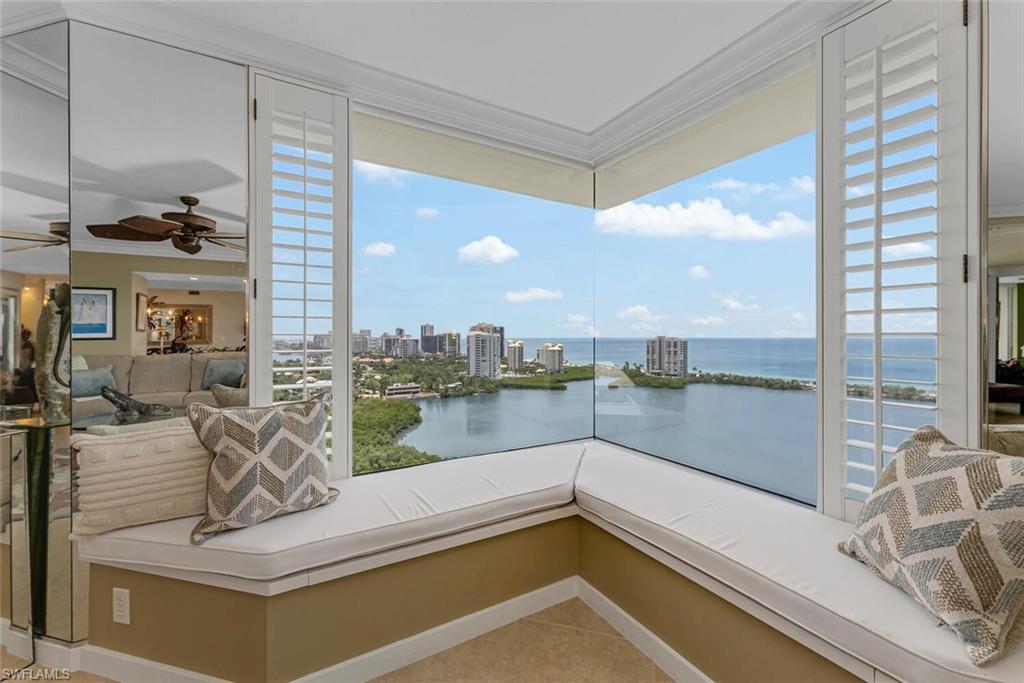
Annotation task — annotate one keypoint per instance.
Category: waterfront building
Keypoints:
(450, 343)
(322, 341)
(515, 356)
(667, 356)
(407, 347)
(492, 329)
(484, 353)
(408, 389)
(552, 357)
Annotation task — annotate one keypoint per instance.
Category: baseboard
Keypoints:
(121, 667)
(49, 653)
(642, 638)
(414, 648)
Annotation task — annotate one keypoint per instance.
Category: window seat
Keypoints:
(373, 513)
(781, 555)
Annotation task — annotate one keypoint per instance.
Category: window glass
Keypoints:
(472, 314)
(705, 297)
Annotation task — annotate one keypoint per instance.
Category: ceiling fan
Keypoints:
(187, 230)
(59, 234)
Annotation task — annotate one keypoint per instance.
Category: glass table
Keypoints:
(116, 420)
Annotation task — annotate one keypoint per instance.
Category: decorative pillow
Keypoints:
(78, 363)
(946, 525)
(226, 371)
(138, 478)
(230, 397)
(266, 462)
(90, 382)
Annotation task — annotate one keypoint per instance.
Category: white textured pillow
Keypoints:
(139, 478)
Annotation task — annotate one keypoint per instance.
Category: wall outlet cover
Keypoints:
(122, 607)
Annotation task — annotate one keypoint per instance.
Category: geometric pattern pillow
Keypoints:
(266, 462)
(946, 525)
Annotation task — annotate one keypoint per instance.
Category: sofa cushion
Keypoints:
(780, 554)
(121, 366)
(199, 361)
(373, 513)
(138, 477)
(86, 383)
(226, 371)
(167, 373)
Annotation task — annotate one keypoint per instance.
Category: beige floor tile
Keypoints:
(575, 613)
(481, 659)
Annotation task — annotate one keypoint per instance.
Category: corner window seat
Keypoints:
(781, 555)
(373, 513)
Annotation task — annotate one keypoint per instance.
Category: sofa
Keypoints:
(172, 379)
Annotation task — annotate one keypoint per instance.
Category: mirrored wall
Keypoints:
(1004, 213)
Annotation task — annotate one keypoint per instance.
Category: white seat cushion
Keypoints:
(373, 513)
(783, 556)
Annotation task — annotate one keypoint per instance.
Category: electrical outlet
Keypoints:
(122, 607)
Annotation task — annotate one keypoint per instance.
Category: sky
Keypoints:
(729, 253)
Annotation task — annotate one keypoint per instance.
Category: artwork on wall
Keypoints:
(141, 313)
(92, 313)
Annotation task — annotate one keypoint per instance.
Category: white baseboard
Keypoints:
(414, 648)
(121, 667)
(667, 659)
(49, 653)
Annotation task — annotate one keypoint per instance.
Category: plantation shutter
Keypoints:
(893, 238)
(301, 203)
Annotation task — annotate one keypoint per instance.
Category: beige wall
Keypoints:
(94, 269)
(228, 311)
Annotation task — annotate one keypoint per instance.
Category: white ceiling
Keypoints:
(576, 65)
(1006, 111)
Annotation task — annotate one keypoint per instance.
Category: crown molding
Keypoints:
(16, 17)
(35, 70)
(771, 52)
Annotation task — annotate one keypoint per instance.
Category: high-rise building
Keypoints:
(667, 356)
(430, 343)
(426, 330)
(450, 343)
(322, 341)
(408, 347)
(484, 353)
(515, 356)
(366, 333)
(552, 357)
(492, 329)
(399, 331)
(360, 343)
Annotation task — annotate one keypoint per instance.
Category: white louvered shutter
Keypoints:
(893, 238)
(301, 163)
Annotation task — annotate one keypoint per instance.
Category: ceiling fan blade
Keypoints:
(189, 248)
(116, 231)
(192, 220)
(151, 225)
(30, 237)
(229, 235)
(26, 247)
(229, 245)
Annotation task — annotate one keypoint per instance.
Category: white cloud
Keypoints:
(801, 185)
(533, 294)
(578, 322)
(699, 273)
(427, 212)
(742, 190)
(642, 318)
(859, 191)
(908, 250)
(701, 217)
(708, 321)
(379, 249)
(731, 304)
(490, 249)
(375, 172)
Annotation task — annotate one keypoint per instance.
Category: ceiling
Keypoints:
(1006, 111)
(576, 65)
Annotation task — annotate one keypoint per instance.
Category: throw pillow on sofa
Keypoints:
(230, 397)
(226, 371)
(945, 524)
(138, 478)
(90, 382)
(266, 462)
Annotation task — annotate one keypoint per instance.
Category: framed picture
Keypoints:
(92, 313)
(141, 317)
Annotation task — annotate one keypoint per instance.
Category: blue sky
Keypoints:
(729, 253)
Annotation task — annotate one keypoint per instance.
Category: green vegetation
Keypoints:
(376, 427)
(898, 392)
(639, 377)
(557, 382)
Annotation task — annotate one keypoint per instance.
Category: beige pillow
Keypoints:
(946, 525)
(267, 462)
(230, 397)
(138, 478)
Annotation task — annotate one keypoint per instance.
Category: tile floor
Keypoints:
(565, 643)
(8, 663)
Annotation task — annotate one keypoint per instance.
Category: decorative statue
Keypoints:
(128, 407)
(53, 356)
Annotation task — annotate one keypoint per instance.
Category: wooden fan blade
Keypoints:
(229, 245)
(189, 248)
(150, 225)
(191, 220)
(25, 247)
(29, 237)
(116, 231)
(228, 235)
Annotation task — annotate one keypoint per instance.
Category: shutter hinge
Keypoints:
(254, 281)
(254, 109)
(965, 268)
(965, 12)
